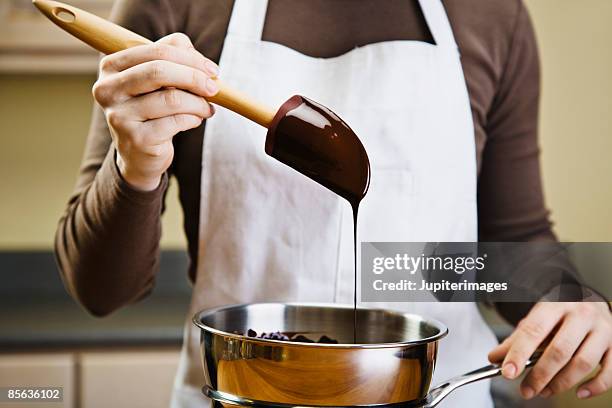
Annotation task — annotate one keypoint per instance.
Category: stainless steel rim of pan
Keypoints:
(440, 330)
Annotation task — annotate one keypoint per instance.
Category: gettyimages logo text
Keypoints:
(411, 264)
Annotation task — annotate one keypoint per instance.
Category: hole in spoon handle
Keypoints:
(64, 15)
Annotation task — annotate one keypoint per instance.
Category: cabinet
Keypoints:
(40, 370)
(127, 379)
(97, 378)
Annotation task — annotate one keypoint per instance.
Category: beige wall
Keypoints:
(576, 122)
(44, 120)
(43, 125)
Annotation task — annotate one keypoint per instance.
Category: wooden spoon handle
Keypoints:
(108, 38)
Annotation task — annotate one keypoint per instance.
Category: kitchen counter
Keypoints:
(59, 323)
(36, 312)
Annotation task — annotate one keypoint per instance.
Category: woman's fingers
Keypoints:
(499, 352)
(557, 354)
(583, 363)
(167, 102)
(154, 75)
(530, 333)
(175, 48)
(601, 383)
(131, 57)
(170, 126)
(151, 76)
(183, 41)
(577, 347)
(177, 39)
(170, 62)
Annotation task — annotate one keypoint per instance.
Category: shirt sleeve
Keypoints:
(510, 195)
(107, 240)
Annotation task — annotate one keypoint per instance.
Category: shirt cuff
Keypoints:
(125, 190)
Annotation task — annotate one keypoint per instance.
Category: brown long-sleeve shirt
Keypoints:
(107, 241)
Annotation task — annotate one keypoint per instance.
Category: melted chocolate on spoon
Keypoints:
(314, 141)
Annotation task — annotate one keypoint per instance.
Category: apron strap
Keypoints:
(437, 20)
(248, 18)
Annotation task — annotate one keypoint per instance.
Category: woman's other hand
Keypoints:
(581, 342)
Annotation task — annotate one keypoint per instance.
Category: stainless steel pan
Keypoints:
(391, 364)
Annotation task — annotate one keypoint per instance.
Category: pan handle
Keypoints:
(441, 391)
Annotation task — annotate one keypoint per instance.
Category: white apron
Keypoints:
(267, 233)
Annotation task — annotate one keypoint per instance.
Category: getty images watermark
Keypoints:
(493, 271)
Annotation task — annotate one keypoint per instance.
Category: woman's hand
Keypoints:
(583, 341)
(149, 94)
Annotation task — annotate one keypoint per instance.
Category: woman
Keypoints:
(259, 231)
